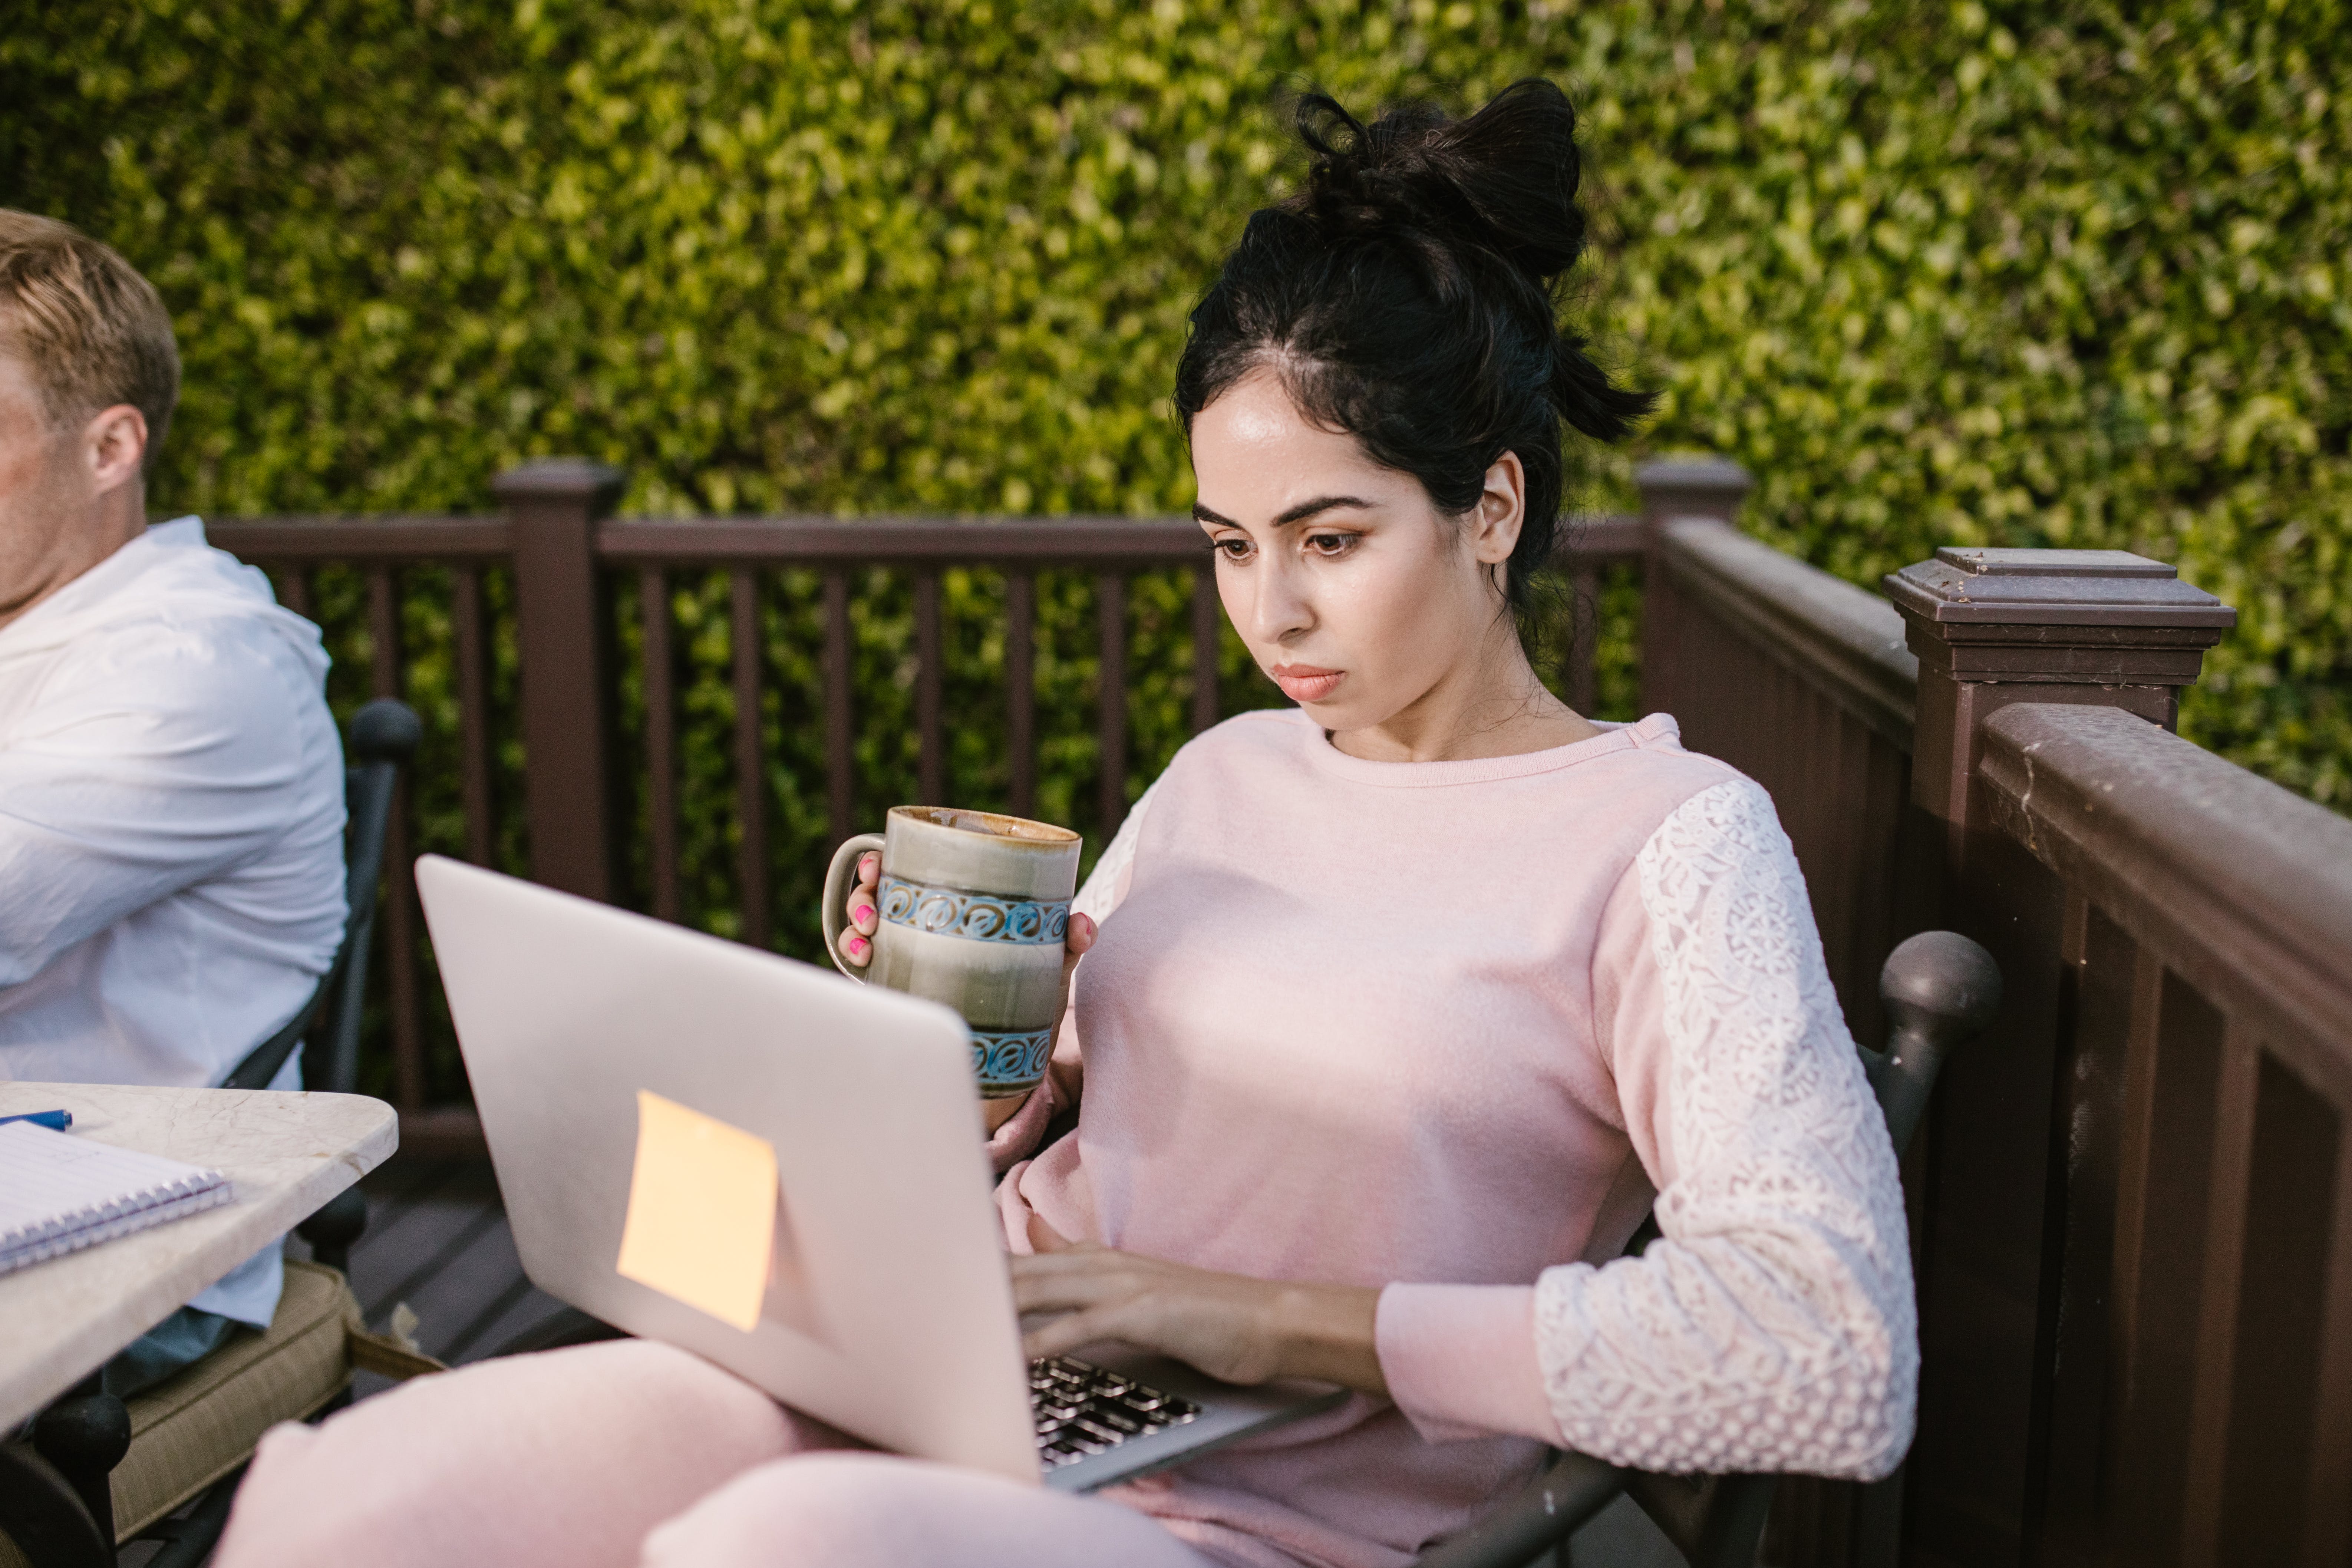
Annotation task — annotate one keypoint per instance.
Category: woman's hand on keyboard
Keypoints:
(1229, 1325)
(864, 913)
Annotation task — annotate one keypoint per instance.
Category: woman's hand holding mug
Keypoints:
(864, 914)
(970, 909)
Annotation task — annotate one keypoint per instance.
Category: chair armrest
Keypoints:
(1541, 1515)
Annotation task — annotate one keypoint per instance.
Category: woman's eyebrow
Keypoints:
(1299, 513)
(1307, 508)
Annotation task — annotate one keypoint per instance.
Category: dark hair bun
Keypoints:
(1503, 181)
(1409, 294)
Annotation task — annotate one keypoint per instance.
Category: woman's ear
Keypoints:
(1500, 512)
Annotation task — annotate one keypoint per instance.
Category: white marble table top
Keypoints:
(287, 1154)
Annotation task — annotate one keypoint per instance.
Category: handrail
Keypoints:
(379, 538)
(917, 541)
(2245, 887)
(1093, 542)
(902, 541)
(1848, 641)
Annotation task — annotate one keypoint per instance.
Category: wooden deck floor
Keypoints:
(437, 1238)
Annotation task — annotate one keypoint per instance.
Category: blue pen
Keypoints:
(55, 1120)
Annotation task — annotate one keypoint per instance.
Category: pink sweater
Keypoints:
(1449, 1028)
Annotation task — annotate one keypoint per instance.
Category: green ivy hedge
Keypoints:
(2067, 273)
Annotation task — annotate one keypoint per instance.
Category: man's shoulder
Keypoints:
(182, 619)
(188, 674)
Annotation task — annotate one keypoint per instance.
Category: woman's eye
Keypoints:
(1232, 549)
(1330, 544)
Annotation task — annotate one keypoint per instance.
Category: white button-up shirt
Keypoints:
(170, 830)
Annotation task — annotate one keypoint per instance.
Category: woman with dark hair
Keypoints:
(1398, 1011)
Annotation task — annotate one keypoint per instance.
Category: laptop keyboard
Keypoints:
(1081, 1409)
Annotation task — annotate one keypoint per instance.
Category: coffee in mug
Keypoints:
(974, 908)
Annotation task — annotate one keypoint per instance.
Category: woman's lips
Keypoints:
(1305, 682)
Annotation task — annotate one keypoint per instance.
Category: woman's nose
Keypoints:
(1283, 608)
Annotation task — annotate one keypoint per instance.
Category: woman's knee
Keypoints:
(598, 1441)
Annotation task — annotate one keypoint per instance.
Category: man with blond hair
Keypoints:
(171, 783)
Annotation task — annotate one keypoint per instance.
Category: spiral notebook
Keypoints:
(60, 1193)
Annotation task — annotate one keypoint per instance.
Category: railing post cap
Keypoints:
(560, 479)
(2106, 588)
(1693, 468)
(1696, 483)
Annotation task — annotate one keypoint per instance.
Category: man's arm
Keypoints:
(157, 759)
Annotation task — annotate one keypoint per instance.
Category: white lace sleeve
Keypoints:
(1107, 885)
(1773, 1327)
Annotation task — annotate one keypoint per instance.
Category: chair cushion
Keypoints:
(193, 1428)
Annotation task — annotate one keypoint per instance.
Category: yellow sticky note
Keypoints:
(703, 1211)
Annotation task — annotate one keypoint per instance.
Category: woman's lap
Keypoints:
(864, 1510)
(573, 1458)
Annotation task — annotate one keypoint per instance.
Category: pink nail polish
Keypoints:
(856, 944)
(862, 912)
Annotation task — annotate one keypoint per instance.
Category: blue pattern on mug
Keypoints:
(1025, 921)
(1011, 1062)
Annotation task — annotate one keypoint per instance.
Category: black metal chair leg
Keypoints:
(1528, 1525)
(85, 1436)
(44, 1515)
(331, 1231)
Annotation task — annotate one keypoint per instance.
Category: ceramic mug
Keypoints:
(973, 909)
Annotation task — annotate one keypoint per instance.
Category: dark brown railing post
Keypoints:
(1692, 485)
(2015, 1276)
(566, 653)
(2102, 627)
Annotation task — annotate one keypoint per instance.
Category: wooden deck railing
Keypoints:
(2197, 1306)
(2132, 1210)
(597, 778)
(2133, 1216)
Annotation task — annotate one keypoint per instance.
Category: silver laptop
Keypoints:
(886, 1310)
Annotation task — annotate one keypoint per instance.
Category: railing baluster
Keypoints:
(473, 712)
(2219, 1299)
(1111, 700)
(837, 737)
(399, 921)
(660, 682)
(2280, 1358)
(1021, 689)
(1584, 641)
(1207, 615)
(930, 656)
(2328, 1525)
(297, 591)
(750, 759)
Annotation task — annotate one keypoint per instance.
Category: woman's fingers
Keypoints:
(1044, 1237)
(857, 942)
(1063, 1281)
(864, 910)
(1074, 944)
(1063, 1335)
(1082, 1299)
